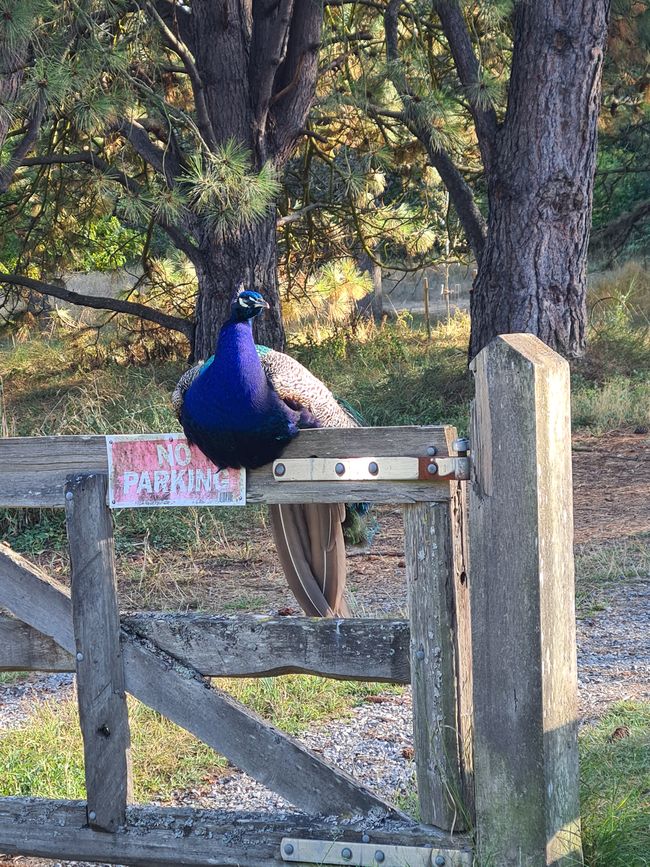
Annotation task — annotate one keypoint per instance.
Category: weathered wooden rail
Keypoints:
(489, 650)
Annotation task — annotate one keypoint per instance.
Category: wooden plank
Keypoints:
(257, 646)
(33, 469)
(242, 646)
(522, 587)
(25, 649)
(462, 629)
(434, 664)
(180, 693)
(103, 713)
(179, 837)
(35, 598)
(276, 760)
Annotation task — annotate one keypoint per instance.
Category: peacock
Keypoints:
(241, 408)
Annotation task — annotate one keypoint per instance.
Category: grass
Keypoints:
(601, 567)
(615, 788)
(44, 757)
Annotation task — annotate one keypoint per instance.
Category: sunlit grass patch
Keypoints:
(621, 402)
(615, 788)
(292, 702)
(44, 757)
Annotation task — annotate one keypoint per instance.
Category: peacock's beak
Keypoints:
(262, 304)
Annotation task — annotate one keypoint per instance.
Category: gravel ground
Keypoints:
(374, 743)
(614, 651)
(17, 700)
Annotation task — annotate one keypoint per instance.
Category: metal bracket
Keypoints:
(326, 852)
(370, 469)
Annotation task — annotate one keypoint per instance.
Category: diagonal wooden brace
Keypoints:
(180, 693)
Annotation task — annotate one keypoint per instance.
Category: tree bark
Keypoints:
(256, 68)
(244, 259)
(532, 273)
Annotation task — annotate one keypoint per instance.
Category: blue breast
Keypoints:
(231, 412)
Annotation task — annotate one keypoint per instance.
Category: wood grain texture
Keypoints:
(35, 598)
(103, 713)
(180, 693)
(241, 646)
(33, 469)
(523, 623)
(25, 649)
(178, 837)
(256, 646)
(434, 663)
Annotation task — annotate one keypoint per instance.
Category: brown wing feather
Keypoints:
(298, 386)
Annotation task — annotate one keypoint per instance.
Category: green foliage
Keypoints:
(223, 187)
(615, 788)
(394, 375)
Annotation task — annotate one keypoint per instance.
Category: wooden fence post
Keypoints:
(440, 658)
(522, 600)
(100, 671)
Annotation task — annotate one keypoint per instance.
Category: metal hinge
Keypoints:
(326, 852)
(398, 469)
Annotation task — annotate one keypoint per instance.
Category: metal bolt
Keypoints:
(365, 838)
(80, 656)
(69, 495)
(461, 444)
(432, 469)
(288, 849)
(419, 654)
(440, 861)
(379, 856)
(92, 815)
(346, 854)
(431, 451)
(280, 469)
(373, 468)
(339, 469)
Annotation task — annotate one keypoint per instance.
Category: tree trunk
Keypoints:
(532, 273)
(245, 259)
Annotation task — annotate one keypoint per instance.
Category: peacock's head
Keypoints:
(248, 305)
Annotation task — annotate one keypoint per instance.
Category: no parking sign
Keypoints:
(149, 470)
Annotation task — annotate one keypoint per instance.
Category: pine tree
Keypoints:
(509, 91)
(190, 112)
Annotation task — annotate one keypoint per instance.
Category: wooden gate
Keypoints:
(493, 688)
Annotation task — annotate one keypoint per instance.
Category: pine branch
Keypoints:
(179, 46)
(161, 159)
(178, 18)
(271, 24)
(613, 236)
(23, 147)
(180, 239)
(91, 159)
(467, 66)
(295, 81)
(460, 193)
(98, 302)
(294, 216)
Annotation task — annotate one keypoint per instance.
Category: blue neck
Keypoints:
(236, 359)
